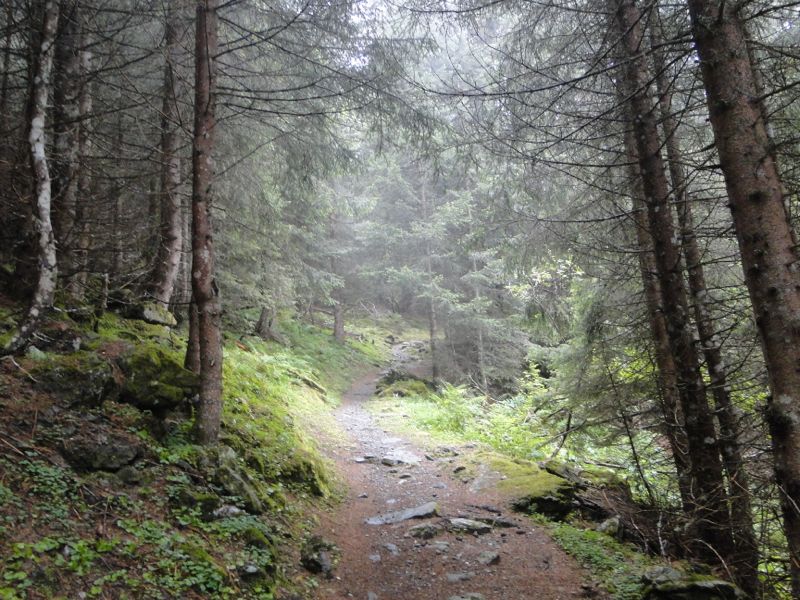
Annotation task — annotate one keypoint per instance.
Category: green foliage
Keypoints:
(616, 565)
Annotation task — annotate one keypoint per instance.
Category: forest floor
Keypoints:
(493, 555)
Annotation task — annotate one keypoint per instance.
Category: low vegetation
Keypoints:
(103, 493)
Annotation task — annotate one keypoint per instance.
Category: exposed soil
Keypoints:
(383, 562)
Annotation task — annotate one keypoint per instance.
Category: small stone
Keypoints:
(390, 462)
(440, 486)
(423, 511)
(488, 558)
(376, 558)
(363, 495)
(468, 596)
(372, 596)
(457, 577)
(425, 531)
(440, 546)
(459, 469)
(405, 476)
(469, 526)
(226, 511)
(392, 549)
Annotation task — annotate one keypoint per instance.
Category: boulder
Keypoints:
(80, 380)
(150, 312)
(97, 450)
(155, 380)
(425, 531)
(468, 526)
(666, 583)
(430, 509)
(319, 556)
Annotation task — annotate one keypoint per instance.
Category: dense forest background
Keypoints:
(591, 206)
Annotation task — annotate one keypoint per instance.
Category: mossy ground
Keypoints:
(149, 532)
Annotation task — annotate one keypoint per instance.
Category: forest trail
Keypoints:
(512, 558)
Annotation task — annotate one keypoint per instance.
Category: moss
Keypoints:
(254, 536)
(155, 379)
(406, 388)
(523, 477)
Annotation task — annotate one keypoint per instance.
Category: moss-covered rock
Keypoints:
(98, 450)
(666, 583)
(155, 379)
(150, 312)
(532, 489)
(83, 379)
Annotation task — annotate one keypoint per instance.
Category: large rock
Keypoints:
(97, 450)
(155, 380)
(83, 379)
(231, 475)
(150, 312)
(318, 555)
(666, 583)
(423, 511)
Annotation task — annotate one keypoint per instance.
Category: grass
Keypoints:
(63, 531)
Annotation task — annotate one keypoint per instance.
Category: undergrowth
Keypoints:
(148, 530)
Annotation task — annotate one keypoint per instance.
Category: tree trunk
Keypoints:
(168, 256)
(46, 256)
(766, 240)
(747, 559)
(5, 114)
(665, 363)
(67, 91)
(204, 286)
(76, 285)
(710, 500)
(192, 359)
(338, 322)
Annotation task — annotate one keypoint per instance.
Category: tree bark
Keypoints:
(67, 83)
(168, 256)
(204, 287)
(46, 256)
(674, 426)
(766, 240)
(747, 556)
(709, 500)
(77, 281)
(192, 359)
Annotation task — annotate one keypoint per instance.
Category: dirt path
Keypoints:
(514, 560)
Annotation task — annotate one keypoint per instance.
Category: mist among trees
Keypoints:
(590, 207)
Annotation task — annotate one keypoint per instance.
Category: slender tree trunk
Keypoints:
(5, 114)
(192, 359)
(204, 286)
(168, 256)
(338, 322)
(767, 242)
(665, 363)
(747, 558)
(67, 83)
(710, 499)
(78, 279)
(431, 300)
(46, 256)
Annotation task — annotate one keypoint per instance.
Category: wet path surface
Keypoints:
(471, 548)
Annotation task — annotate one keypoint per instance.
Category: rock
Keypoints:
(425, 531)
(376, 558)
(129, 475)
(155, 380)
(97, 450)
(554, 505)
(34, 353)
(468, 526)
(405, 476)
(150, 312)
(87, 382)
(440, 546)
(229, 473)
(610, 526)
(227, 511)
(459, 469)
(468, 596)
(497, 522)
(363, 495)
(429, 509)
(392, 549)
(319, 556)
(488, 557)
(458, 577)
(666, 583)
(372, 596)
